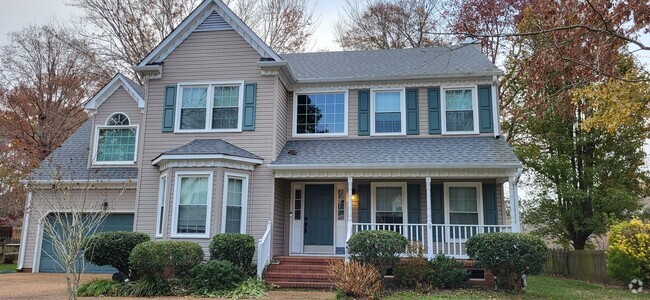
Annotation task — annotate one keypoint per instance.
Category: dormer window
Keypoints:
(116, 141)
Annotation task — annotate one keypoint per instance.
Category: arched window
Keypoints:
(116, 142)
(118, 119)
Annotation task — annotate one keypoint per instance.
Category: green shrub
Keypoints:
(379, 248)
(628, 257)
(215, 276)
(113, 248)
(445, 272)
(149, 286)
(235, 248)
(168, 259)
(508, 256)
(249, 289)
(99, 287)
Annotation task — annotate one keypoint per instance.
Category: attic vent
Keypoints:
(214, 22)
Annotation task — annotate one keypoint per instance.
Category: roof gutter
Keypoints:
(153, 71)
(387, 78)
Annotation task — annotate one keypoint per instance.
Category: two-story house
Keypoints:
(299, 150)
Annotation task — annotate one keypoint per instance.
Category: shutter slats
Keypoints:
(433, 99)
(364, 112)
(250, 95)
(490, 212)
(413, 194)
(169, 109)
(412, 122)
(364, 203)
(485, 109)
(437, 209)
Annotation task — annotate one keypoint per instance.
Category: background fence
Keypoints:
(588, 265)
(9, 244)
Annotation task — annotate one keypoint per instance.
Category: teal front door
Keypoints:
(319, 215)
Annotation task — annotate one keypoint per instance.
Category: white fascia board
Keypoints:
(402, 78)
(110, 88)
(205, 157)
(388, 167)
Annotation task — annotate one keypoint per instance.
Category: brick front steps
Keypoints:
(311, 272)
(300, 272)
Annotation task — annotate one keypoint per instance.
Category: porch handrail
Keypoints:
(264, 251)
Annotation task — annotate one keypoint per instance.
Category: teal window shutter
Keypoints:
(490, 212)
(485, 109)
(433, 99)
(250, 95)
(412, 123)
(413, 194)
(364, 112)
(364, 203)
(437, 210)
(169, 109)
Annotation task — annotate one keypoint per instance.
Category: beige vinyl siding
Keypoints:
(210, 57)
(283, 105)
(281, 217)
(121, 203)
(120, 101)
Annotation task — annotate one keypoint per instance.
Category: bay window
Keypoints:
(192, 204)
(235, 199)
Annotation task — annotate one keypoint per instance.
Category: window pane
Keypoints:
(225, 118)
(460, 120)
(387, 101)
(463, 218)
(234, 205)
(117, 120)
(163, 199)
(463, 199)
(390, 217)
(389, 199)
(388, 122)
(234, 191)
(226, 96)
(193, 108)
(191, 218)
(320, 113)
(116, 144)
(233, 219)
(194, 191)
(458, 100)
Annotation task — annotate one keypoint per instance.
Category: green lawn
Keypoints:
(8, 268)
(539, 287)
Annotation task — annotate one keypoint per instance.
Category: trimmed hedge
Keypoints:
(215, 276)
(379, 248)
(235, 248)
(508, 256)
(168, 259)
(113, 248)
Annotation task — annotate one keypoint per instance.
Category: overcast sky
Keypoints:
(19, 13)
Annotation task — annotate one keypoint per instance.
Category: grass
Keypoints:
(7, 268)
(539, 287)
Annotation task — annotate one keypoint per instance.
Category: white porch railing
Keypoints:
(264, 251)
(446, 238)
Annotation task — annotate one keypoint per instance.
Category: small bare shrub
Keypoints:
(356, 279)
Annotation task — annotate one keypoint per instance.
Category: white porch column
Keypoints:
(514, 204)
(349, 234)
(429, 221)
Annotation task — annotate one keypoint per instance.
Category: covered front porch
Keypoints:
(437, 192)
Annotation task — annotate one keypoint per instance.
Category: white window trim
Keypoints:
(96, 145)
(209, 106)
(177, 191)
(373, 199)
(295, 133)
(443, 109)
(479, 200)
(117, 113)
(162, 202)
(402, 112)
(244, 200)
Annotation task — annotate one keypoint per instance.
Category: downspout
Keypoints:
(495, 103)
(23, 239)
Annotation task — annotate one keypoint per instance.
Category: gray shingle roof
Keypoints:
(460, 60)
(210, 146)
(71, 160)
(138, 88)
(441, 152)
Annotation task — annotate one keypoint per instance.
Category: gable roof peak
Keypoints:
(135, 90)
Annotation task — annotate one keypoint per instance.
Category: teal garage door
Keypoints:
(114, 222)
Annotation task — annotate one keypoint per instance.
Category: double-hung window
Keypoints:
(162, 201)
(235, 199)
(318, 114)
(389, 203)
(216, 107)
(460, 106)
(464, 206)
(116, 142)
(192, 204)
(388, 115)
